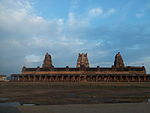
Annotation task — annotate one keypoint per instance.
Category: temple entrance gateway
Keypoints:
(83, 78)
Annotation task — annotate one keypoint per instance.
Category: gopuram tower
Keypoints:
(82, 60)
(118, 63)
(47, 63)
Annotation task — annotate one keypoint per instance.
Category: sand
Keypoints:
(76, 98)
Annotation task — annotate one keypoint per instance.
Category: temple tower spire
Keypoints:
(118, 61)
(82, 60)
(47, 63)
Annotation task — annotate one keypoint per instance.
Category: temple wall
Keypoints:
(82, 72)
(79, 78)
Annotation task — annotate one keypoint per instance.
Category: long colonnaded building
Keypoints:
(82, 72)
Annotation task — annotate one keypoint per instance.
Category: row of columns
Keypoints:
(78, 78)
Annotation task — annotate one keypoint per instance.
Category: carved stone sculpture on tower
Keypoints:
(82, 60)
(118, 61)
(47, 63)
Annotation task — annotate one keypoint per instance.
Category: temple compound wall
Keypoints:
(82, 72)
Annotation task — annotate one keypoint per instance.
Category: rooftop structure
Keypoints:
(118, 63)
(82, 60)
(47, 63)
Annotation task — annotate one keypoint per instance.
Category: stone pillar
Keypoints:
(112, 78)
(96, 78)
(50, 78)
(117, 78)
(59, 78)
(121, 79)
(127, 78)
(76, 78)
(40, 78)
(134, 78)
(144, 78)
(34, 79)
(45, 78)
(62, 78)
(79, 78)
(23, 78)
(29, 78)
(17, 78)
(54, 78)
(105, 78)
(69, 79)
(73, 78)
(139, 79)
(108, 78)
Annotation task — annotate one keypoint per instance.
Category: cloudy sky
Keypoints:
(64, 28)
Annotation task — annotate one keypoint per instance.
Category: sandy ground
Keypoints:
(58, 94)
(76, 97)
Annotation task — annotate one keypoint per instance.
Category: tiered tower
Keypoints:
(118, 63)
(47, 63)
(82, 60)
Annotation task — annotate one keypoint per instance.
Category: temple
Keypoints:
(82, 72)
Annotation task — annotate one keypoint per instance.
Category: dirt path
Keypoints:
(94, 108)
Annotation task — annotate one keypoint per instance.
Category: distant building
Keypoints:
(82, 72)
(3, 77)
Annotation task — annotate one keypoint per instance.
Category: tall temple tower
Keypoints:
(82, 60)
(118, 61)
(47, 63)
